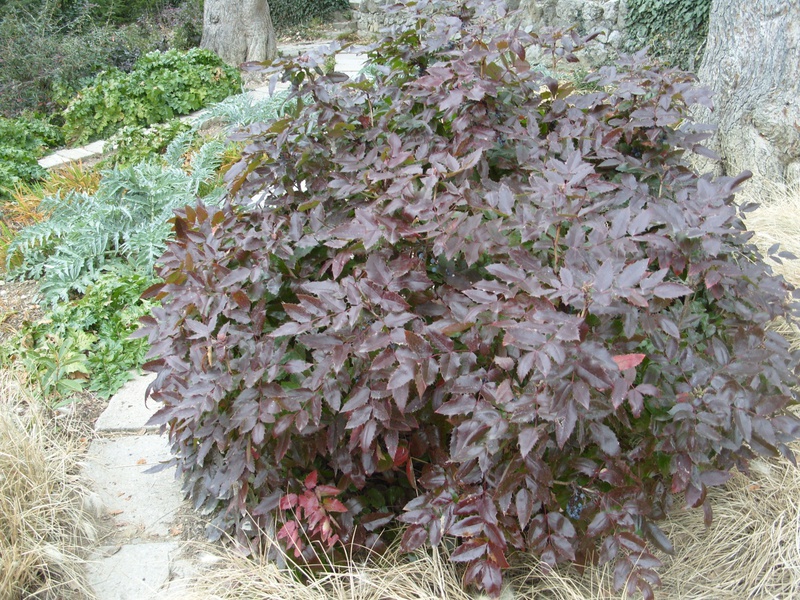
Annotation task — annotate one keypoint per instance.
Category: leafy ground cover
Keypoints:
(472, 299)
(161, 86)
(22, 141)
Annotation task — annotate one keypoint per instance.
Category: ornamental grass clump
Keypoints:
(467, 298)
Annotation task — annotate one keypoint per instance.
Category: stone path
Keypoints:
(145, 555)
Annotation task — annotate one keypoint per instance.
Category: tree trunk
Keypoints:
(239, 30)
(752, 64)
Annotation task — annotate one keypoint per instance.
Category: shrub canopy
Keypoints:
(476, 299)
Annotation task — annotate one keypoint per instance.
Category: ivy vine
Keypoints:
(675, 30)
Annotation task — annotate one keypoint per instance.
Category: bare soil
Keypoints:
(18, 303)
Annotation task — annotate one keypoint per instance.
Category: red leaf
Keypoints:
(492, 580)
(288, 502)
(311, 480)
(412, 480)
(599, 524)
(524, 505)
(324, 491)
(622, 571)
(628, 361)
(605, 438)
(241, 299)
(527, 439)
(334, 505)
(658, 537)
(401, 376)
(374, 521)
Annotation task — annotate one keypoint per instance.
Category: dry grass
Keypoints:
(44, 513)
(776, 222)
(751, 551)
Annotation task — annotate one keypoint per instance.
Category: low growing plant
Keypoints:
(84, 342)
(132, 144)
(127, 220)
(469, 298)
(161, 86)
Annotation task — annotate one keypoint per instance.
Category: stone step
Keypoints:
(128, 410)
(140, 505)
(132, 571)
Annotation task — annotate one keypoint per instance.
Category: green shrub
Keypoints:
(29, 133)
(473, 299)
(184, 24)
(22, 141)
(161, 86)
(125, 11)
(675, 30)
(17, 167)
(43, 62)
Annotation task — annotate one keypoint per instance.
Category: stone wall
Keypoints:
(587, 16)
(370, 15)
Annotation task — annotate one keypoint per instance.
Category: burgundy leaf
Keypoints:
(469, 551)
(671, 290)
(413, 538)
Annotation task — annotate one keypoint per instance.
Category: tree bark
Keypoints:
(239, 30)
(752, 64)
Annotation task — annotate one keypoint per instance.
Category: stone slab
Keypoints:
(142, 505)
(301, 48)
(350, 63)
(128, 410)
(54, 160)
(96, 147)
(75, 153)
(132, 571)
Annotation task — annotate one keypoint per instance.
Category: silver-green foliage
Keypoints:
(127, 220)
(243, 109)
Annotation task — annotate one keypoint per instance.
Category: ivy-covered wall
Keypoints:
(291, 13)
(675, 30)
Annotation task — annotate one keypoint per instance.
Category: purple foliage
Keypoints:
(476, 300)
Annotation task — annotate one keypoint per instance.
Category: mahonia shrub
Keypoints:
(161, 86)
(463, 296)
